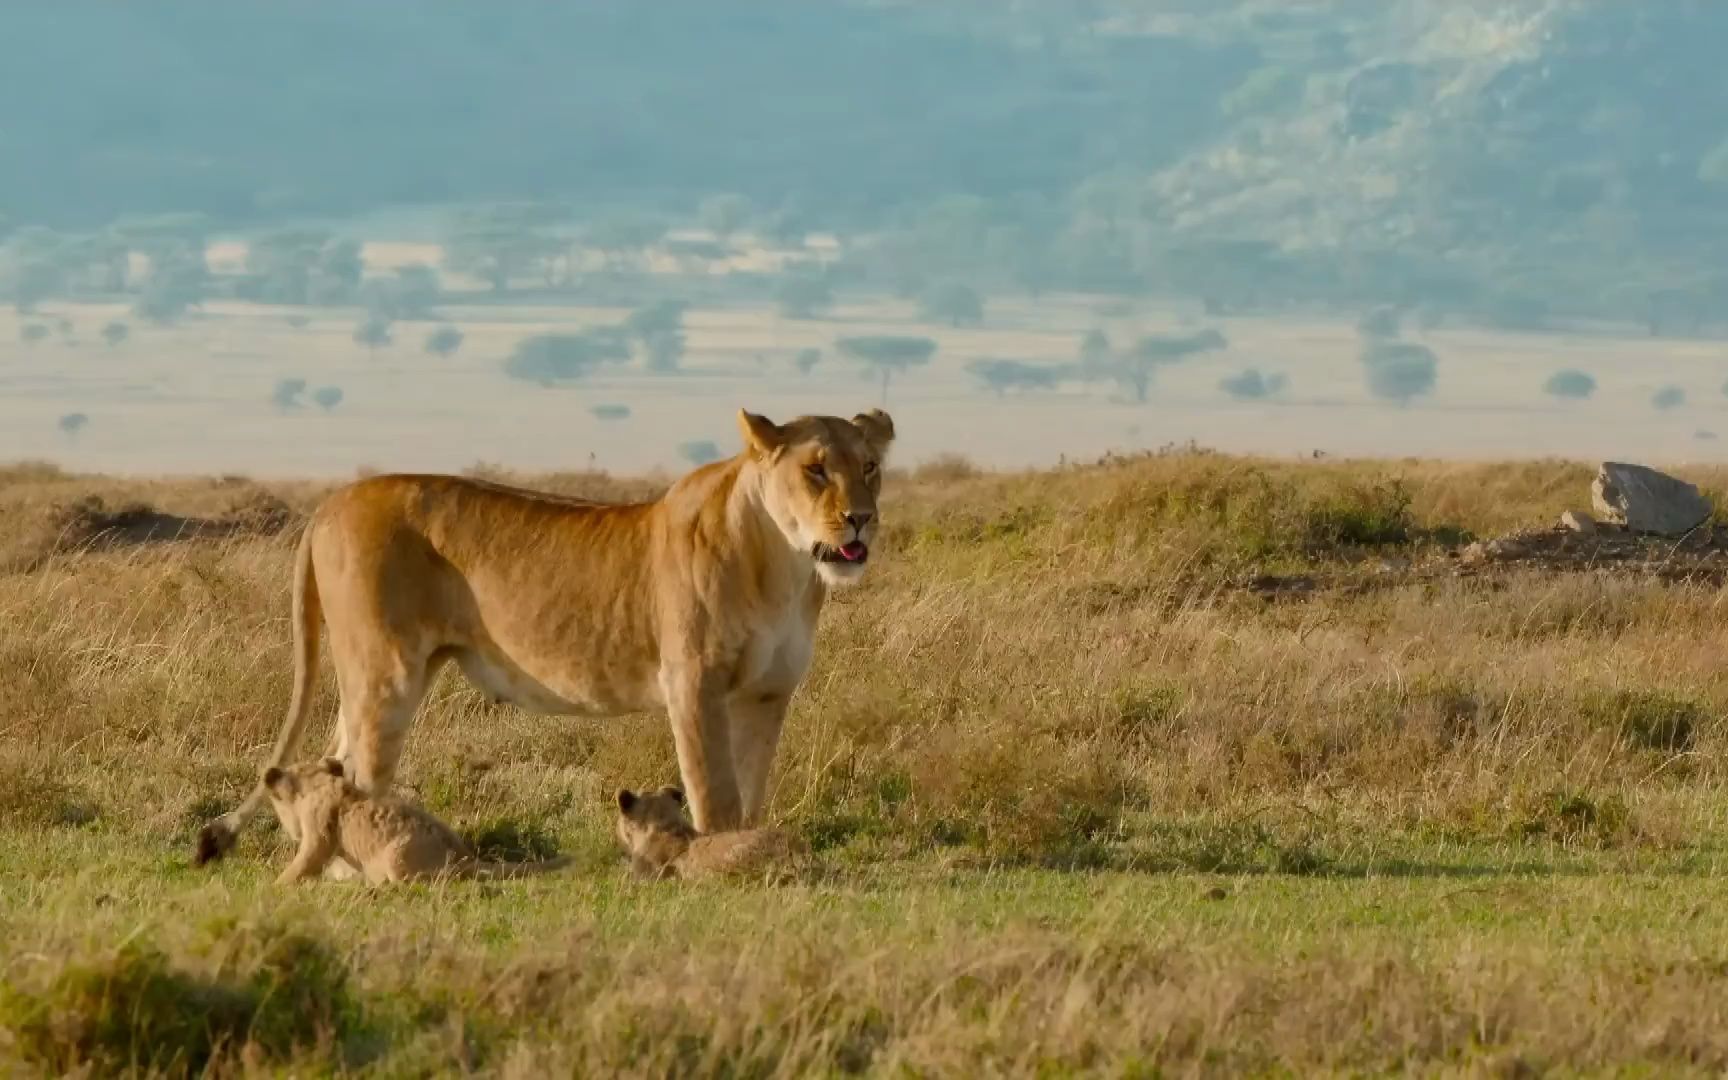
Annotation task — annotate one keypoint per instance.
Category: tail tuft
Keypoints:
(214, 841)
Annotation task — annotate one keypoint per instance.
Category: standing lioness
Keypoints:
(703, 602)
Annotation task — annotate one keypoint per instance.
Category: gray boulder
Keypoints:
(1647, 501)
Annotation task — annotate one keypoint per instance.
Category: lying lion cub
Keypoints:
(387, 838)
(662, 843)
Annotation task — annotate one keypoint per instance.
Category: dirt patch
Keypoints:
(88, 525)
(1700, 557)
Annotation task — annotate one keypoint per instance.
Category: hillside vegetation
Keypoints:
(1525, 163)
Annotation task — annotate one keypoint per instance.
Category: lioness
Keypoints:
(385, 838)
(703, 602)
(661, 844)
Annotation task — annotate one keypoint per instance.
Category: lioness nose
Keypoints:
(859, 518)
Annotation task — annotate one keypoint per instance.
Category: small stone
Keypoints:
(1647, 501)
(1217, 892)
(1577, 521)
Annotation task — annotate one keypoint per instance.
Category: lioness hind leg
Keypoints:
(377, 716)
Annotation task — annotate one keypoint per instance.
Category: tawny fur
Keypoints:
(661, 843)
(703, 603)
(387, 839)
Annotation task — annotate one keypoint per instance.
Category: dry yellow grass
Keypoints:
(1086, 805)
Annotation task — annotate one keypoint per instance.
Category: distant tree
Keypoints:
(610, 412)
(73, 423)
(787, 227)
(33, 282)
(806, 360)
(416, 292)
(327, 397)
(444, 341)
(1570, 385)
(280, 266)
(658, 317)
(724, 215)
(1669, 397)
(1094, 355)
(502, 243)
(36, 257)
(699, 452)
(1169, 348)
(803, 294)
(665, 351)
(952, 303)
(625, 238)
(373, 331)
(297, 321)
(115, 333)
(551, 359)
(1251, 385)
(659, 328)
(287, 393)
(176, 283)
(180, 235)
(1002, 376)
(1135, 370)
(884, 355)
(336, 277)
(1400, 371)
(1383, 323)
(32, 333)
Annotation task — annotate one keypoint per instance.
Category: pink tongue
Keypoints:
(853, 552)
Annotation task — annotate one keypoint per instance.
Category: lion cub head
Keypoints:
(289, 787)
(820, 479)
(652, 827)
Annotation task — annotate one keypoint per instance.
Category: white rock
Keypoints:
(1647, 501)
(1577, 521)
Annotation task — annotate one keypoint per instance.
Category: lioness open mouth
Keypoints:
(851, 554)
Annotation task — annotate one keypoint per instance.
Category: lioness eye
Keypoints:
(869, 468)
(817, 472)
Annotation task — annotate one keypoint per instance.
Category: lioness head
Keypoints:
(647, 819)
(820, 479)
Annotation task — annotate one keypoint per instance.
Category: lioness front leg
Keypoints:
(755, 724)
(701, 733)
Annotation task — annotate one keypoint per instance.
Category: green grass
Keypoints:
(1432, 955)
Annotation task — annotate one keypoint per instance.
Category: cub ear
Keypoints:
(333, 766)
(761, 435)
(626, 800)
(676, 794)
(273, 776)
(877, 428)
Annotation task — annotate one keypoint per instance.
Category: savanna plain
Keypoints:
(1175, 763)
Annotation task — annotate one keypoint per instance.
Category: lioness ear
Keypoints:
(273, 776)
(675, 794)
(626, 800)
(761, 435)
(877, 427)
(333, 766)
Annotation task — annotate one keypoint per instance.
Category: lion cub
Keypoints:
(387, 838)
(662, 843)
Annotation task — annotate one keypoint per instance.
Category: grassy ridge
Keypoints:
(1083, 804)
